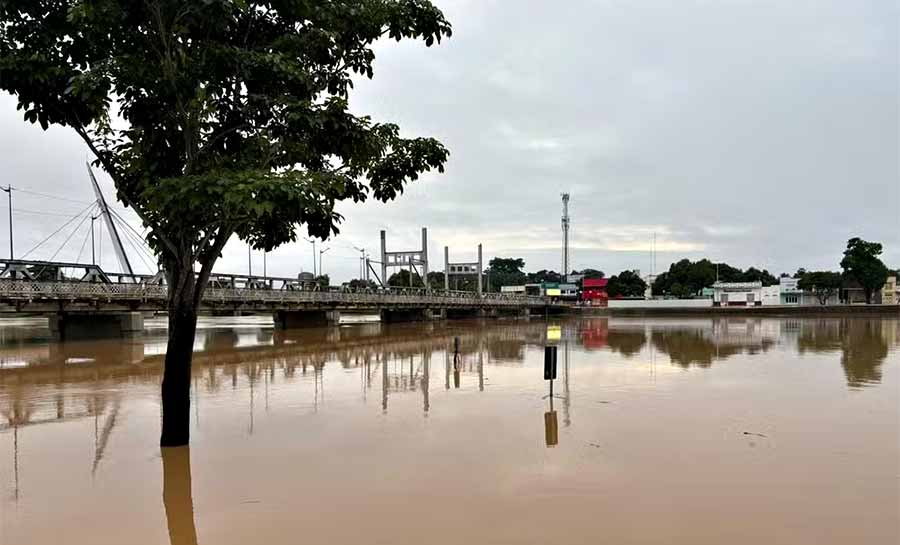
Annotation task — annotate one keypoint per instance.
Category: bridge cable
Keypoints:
(63, 245)
(140, 246)
(129, 239)
(87, 234)
(73, 218)
(138, 236)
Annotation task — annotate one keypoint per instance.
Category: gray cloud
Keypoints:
(759, 132)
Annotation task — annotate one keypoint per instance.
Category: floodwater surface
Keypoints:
(659, 431)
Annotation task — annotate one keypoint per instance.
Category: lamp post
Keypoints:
(321, 270)
(8, 190)
(313, 242)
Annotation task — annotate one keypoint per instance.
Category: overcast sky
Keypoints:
(760, 133)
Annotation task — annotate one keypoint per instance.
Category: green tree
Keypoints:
(543, 275)
(861, 263)
(506, 272)
(400, 279)
(217, 118)
(359, 283)
(823, 284)
(626, 284)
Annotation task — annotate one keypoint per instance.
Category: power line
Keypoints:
(48, 196)
(73, 218)
(41, 213)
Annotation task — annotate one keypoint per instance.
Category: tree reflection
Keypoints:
(691, 347)
(177, 498)
(864, 348)
(863, 343)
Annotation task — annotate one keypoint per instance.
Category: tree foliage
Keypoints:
(506, 272)
(862, 264)
(400, 279)
(544, 275)
(824, 284)
(626, 284)
(216, 117)
(686, 278)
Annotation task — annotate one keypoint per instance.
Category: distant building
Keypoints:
(771, 295)
(853, 293)
(889, 295)
(513, 289)
(744, 294)
(593, 291)
(568, 291)
(790, 292)
(649, 280)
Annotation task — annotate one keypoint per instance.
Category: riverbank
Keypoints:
(769, 310)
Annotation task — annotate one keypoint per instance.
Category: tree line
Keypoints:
(860, 265)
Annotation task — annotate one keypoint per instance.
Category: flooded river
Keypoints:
(702, 431)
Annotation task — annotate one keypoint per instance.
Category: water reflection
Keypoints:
(402, 355)
(177, 495)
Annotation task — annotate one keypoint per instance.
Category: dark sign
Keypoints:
(549, 362)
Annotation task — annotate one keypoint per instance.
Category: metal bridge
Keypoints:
(42, 287)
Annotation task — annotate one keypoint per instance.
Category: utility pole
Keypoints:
(8, 191)
(565, 236)
(265, 276)
(249, 260)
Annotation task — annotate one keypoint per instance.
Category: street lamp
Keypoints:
(321, 270)
(362, 261)
(8, 190)
(313, 242)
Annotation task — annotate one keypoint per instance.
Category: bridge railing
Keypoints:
(28, 290)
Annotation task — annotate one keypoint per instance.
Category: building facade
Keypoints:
(741, 294)
(593, 291)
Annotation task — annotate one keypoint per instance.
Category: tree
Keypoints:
(323, 280)
(626, 284)
(506, 272)
(823, 284)
(543, 275)
(861, 263)
(359, 283)
(217, 118)
(400, 279)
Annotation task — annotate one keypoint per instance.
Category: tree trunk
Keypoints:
(176, 385)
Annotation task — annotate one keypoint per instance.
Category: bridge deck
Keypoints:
(34, 296)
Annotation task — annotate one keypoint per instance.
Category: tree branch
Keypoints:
(207, 264)
(119, 182)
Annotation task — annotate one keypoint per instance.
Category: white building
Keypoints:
(771, 295)
(745, 294)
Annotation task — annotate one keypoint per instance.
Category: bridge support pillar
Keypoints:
(66, 326)
(292, 319)
(406, 315)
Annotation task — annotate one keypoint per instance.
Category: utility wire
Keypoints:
(73, 218)
(40, 213)
(47, 195)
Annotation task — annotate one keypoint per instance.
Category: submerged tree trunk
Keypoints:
(176, 385)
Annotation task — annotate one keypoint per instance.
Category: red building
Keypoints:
(593, 290)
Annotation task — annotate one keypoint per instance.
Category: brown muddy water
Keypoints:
(702, 431)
